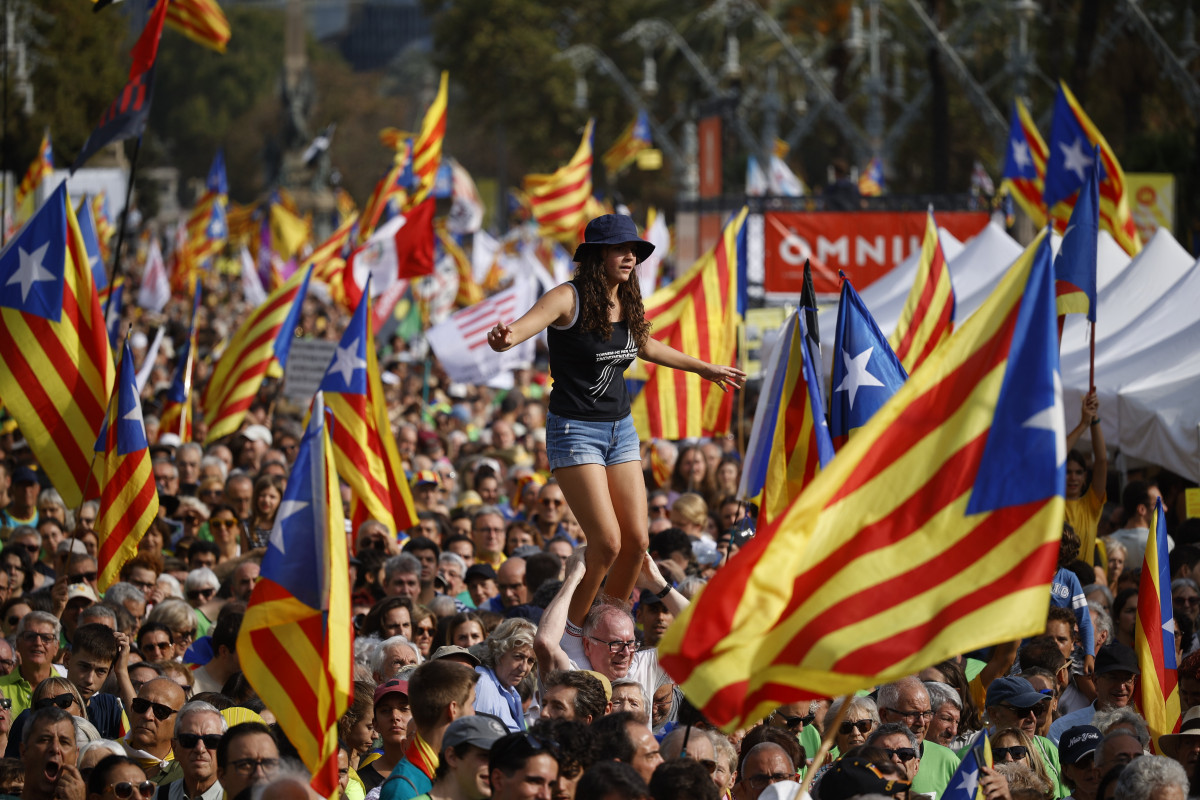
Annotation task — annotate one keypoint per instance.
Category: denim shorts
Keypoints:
(571, 442)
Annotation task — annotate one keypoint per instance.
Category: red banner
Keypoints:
(865, 244)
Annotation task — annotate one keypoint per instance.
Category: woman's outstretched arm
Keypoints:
(656, 352)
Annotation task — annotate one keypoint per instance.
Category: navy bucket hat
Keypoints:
(613, 229)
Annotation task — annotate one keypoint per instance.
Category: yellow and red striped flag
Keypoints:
(1072, 137)
(635, 138)
(1154, 637)
(698, 315)
(363, 446)
(57, 372)
(559, 201)
(202, 21)
(928, 316)
(295, 643)
(40, 168)
(427, 151)
(265, 338)
(207, 225)
(128, 495)
(935, 530)
(1025, 164)
(176, 416)
(328, 261)
(104, 227)
(389, 195)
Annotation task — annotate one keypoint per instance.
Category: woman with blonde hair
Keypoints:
(1014, 745)
(689, 513)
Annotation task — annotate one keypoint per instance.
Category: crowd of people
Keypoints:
(489, 659)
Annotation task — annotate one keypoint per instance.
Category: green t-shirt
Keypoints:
(938, 764)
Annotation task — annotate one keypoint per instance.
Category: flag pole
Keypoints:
(115, 271)
(810, 774)
(1092, 360)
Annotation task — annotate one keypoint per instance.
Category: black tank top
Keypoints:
(588, 372)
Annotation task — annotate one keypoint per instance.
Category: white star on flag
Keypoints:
(1077, 160)
(135, 414)
(31, 270)
(347, 362)
(970, 783)
(286, 509)
(857, 375)
(1021, 154)
(1053, 419)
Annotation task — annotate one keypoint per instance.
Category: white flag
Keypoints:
(466, 209)
(147, 365)
(460, 343)
(658, 235)
(484, 249)
(378, 257)
(252, 288)
(155, 290)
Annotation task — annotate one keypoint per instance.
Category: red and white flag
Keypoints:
(155, 291)
(460, 343)
(400, 248)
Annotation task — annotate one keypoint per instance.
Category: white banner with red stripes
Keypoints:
(460, 343)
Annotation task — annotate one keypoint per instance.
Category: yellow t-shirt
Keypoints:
(1083, 514)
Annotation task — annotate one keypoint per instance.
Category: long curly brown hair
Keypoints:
(594, 304)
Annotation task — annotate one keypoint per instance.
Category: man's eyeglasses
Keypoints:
(200, 594)
(157, 646)
(222, 523)
(551, 501)
(63, 701)
(424, 630)
(141, 705)
(795, 723)
(1037, 711)
(905, 754)
(124, 789)
(32, 636)
(911, 716)
(616, 645)
(1016, 753)
(862, 726)
(184, 636)
(83, 577)
(248, 766)
(759, 783)
(188, 741)
(659, 508)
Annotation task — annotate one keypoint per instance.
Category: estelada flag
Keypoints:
(1025, 164)
(935, 530)
(1154, 636)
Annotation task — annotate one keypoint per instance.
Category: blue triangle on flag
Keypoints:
(33, 264)
(1025, 455)
(347, 373)
(130, 427)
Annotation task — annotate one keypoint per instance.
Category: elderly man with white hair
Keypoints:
(392, 655)
(1153, 778)
(907, 702)
(198, 731)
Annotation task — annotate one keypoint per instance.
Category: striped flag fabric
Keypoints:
(1072, 137)
(202, 21)
(364, 449)
(104, 227)
(427, 150)
(264, 338)
(789, 440)
(387, 198)
(176, 416)
(295, 641)
(635, 138)
(1025, 164)
(866, 373)
(128, 495)
(1154, 637)
(207, 225)
(928, 316)
(57, 371)
(559, 201)
(697, 314)
(460, 341)
(91, 245)
(935, 531)
(40, 169)
(871, 183)
(1075, 265)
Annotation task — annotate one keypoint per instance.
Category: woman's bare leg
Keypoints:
(586, 489)
(627, 488)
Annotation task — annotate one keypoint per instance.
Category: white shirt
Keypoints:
(643, 668)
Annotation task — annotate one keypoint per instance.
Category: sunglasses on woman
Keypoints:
(63, 701)
(124, 789)
(1016, 752)
(862, 726)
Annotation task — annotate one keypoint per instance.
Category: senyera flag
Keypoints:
(935, 531)
(1154, 637)
(295, 642)
(928, 316)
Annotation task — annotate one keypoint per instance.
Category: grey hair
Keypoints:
(860, 703)
(173, 590)
(188, 447)
(112, 747)
(52, 496)
(599, 613)
(51, 714)
(1102, 622)
(1181, 583)
(889, 693)
(26, 531)
(1143, 776)
(940, 694)
(38, 616)
(1113, 719)
(510, 634)
(199, 707)
(97, 611)
(120, 592)
(201, 578)
(690, 585)
(379, 656)
(890, 728)
(91, 505)
(443, 606)
(1100, 589)
(1022, 777)
(85, 732)
(193, 504)
(403, 564)
(209, 461)
(484, 511)
(453, 559)
(627, 681)
(174, 613)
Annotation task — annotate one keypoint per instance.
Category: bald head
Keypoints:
(510, 580)
(766, 763)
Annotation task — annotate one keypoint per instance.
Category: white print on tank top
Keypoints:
(617, 360)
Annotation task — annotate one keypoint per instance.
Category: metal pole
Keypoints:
(4, 130)
(116, 259)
